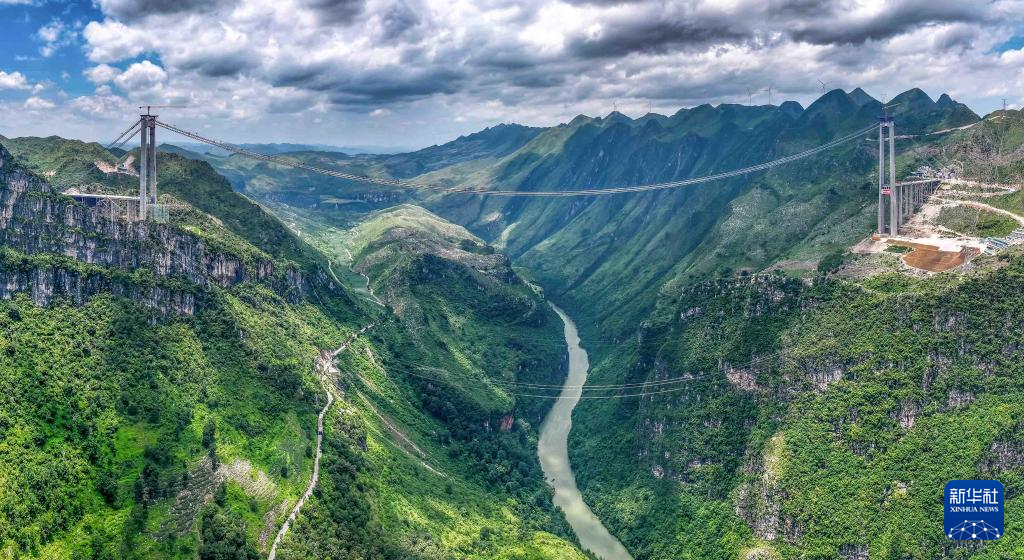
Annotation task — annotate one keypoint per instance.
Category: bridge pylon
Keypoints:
(147, 162)
(888, 192)
(149, 208)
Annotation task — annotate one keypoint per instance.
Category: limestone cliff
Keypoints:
(54, 246)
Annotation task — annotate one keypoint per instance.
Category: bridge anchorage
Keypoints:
(901, 199)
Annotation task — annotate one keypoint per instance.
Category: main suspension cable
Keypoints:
(485, 192)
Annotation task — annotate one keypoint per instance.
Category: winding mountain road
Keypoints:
(324, 366)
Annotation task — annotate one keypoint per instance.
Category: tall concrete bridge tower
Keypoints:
(888, 192)
(149, 206)
(147, 164)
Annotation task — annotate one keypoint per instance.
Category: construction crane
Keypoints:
(148, 108)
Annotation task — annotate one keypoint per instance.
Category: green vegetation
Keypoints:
(855, 401)
(104, 397)
(69, 163)
(988, 152)
(606, 258)
(223, 534)
(831, 262)
(820, 416)
(801, 451)
(142, 415)
(200, 186)
(440, 477)
(977, 222)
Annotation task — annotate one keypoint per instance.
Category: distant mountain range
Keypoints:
(609, 254)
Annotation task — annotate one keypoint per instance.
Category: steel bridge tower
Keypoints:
(890, 191)
(149, 207)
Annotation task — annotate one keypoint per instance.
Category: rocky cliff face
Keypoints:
(44, 284)
(36, 220)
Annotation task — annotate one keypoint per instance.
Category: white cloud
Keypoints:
(275, 66)
(141, 77)
(101, 74)
(13, 80)
(110, 41)
(106, 105)
(54, 36)
(38, 104)
(51, 31)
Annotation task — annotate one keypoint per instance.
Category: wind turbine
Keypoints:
(750, 97)
(769, 90)
(823, 84)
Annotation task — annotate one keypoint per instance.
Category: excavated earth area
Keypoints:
(935, 248)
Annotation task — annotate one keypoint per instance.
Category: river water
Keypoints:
(553, 450)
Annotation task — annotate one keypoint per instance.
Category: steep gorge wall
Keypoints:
(35, 221)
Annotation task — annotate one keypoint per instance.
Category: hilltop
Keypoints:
(608, 256)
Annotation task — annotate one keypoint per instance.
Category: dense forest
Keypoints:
(177, 404)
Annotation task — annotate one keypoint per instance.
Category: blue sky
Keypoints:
(21, 48)
(1014, 43)
(409, 73)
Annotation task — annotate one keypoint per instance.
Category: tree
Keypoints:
(830, 262)
(224, 537)
(210, 434)
(210, 442)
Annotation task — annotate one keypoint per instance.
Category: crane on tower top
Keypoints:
(149, 108)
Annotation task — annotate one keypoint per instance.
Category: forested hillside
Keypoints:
(607, 257)
(163, 376)
(150, 369)
(826, 417)
(451, 451)
(815, 412)
(807, 407)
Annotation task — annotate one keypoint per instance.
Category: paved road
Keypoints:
(324, 365)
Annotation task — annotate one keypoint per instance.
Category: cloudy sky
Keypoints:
(409, 73)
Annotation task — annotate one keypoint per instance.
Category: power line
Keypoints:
(582, 396)
(484, 192)
(608, 387)
(505, 385)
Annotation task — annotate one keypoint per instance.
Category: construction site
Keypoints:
(938, 221)
(950, 225)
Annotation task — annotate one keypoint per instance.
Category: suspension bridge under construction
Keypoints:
(897, 201)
